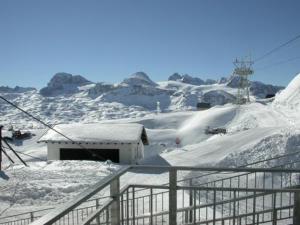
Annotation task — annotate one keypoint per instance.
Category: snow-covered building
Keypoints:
(120, 143)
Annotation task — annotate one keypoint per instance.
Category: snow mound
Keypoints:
(64, 83)
(193, 129)
(139, 79)
(283, 142)
(256, 115)
(290, 96)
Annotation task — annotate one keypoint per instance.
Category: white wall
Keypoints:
(129, 153)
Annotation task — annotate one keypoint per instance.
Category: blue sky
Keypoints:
(109, 40)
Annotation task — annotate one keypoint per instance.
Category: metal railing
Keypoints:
(289, 160)
(227, 196)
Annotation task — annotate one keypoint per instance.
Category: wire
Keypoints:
(50, 127)
(22, 153)
(278, 63)
(277, 48)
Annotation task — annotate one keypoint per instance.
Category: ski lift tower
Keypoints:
(243, 70)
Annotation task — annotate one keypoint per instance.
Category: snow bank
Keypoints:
(290, 96)
(285, 141)
(192, 131)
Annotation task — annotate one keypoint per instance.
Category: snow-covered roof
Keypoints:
(97, 133)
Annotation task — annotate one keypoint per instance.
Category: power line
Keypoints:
(50, 127)
(277, 48)
(26, 154)
(278, 63)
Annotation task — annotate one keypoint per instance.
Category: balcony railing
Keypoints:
(222, 196)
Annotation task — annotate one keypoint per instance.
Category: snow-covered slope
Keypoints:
(289, 97)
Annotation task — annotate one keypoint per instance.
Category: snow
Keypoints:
(139, 78)
(192, 130)
(255, 131)
(96, 133)
(46, 184)
(289, 97)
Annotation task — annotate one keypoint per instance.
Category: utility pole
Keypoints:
(243, 70)
(1, 147)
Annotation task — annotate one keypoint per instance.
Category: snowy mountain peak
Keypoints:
(64, 83)
(139, 79)
(175, 77)
(17, 89)
(66, 78)
(190, 80)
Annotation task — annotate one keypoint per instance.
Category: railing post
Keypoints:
(115, 206)
(214, 207)
(31, 217)
(172, 196)
(98, 217)
(127, 207)
(151, 206)
(133, 206)
(254, 207)
(188, 214)
(296, 219)
(274, 210)
(191, 201)
(234, 207)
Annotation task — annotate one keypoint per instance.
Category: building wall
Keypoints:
(129, 153)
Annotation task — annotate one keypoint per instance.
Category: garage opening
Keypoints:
(90, 154)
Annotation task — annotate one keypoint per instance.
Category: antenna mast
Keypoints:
(243, 70)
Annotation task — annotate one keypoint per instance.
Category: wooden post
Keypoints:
(173, 196)
(115, 206)
(1, 147)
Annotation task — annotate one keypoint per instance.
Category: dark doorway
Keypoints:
(90, 154)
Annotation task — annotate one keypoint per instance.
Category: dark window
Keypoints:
(90, 154)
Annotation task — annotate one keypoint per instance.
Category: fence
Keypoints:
(222, 196)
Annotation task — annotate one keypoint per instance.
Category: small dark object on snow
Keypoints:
(209, 130)
(8, 138)
(18, 135)
(270, 95)
(203, 105)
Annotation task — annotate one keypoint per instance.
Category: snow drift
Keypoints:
(290, 96)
